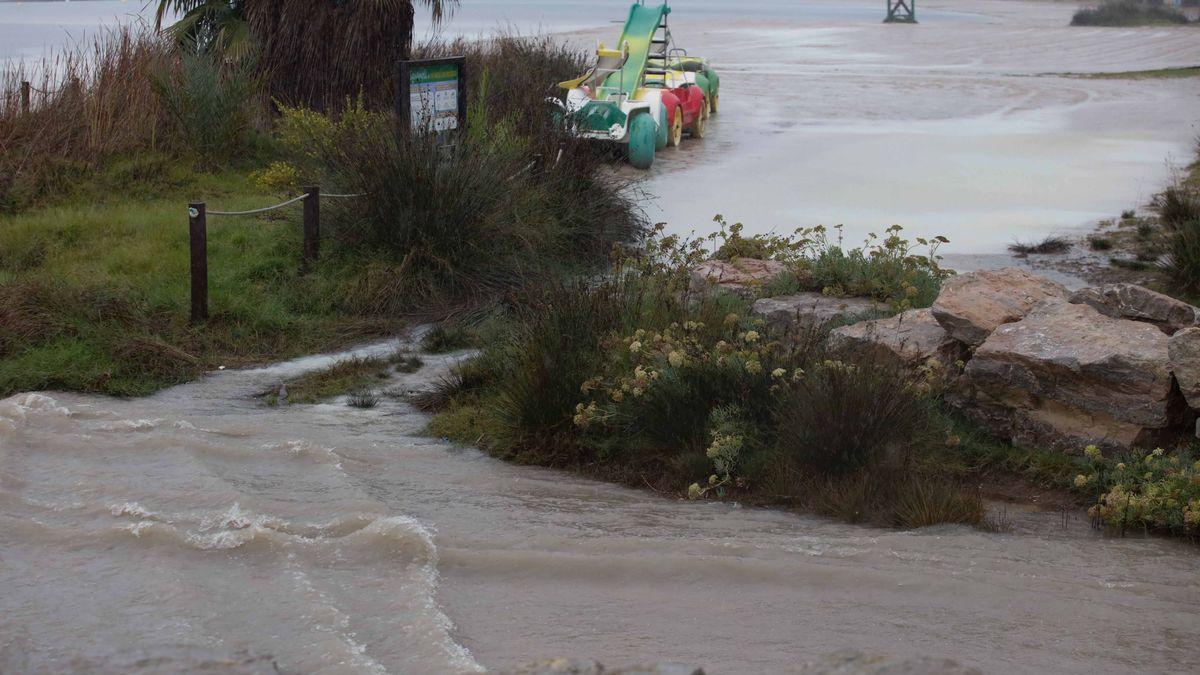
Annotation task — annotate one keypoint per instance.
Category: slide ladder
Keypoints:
(647, 39)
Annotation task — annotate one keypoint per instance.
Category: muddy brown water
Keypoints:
(197, 525)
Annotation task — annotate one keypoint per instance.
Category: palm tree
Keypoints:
(312, 52)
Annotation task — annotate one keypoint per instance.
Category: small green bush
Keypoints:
(1177, 206)
(1181, 261)
(923, 502)
(845, 415)
(887, 269)
(210, 102)
(1127, 13)
(1051, 244)
(1145, 490)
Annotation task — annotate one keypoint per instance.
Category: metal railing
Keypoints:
(198, 214)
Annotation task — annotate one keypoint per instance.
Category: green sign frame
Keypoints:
(432, 94)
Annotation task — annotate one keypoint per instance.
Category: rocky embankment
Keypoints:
(1033, 363)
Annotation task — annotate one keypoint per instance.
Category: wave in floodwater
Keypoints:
(128, 536)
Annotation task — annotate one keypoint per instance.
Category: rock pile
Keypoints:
(1117, 365)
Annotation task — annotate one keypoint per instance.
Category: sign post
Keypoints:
(432, 95)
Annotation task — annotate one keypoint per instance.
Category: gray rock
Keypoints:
(742, 276)
(1130, 301)
(814, 311)
(970, 306)
(854, 662)
(1183, 351)
(913, 337)
(1067, 375)
(564, 666)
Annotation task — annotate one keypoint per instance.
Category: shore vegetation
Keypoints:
(121, 134)
(1129, 13)
(641, 378)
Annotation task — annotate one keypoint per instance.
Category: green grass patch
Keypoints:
(352, 376)
(1128, 13)
(1048, 245)
(1156, 74)
(94, 292)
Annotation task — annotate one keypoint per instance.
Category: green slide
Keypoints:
(643, 23)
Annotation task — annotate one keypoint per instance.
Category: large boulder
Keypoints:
(912, 337)
(814, 311)
(742, 276)
(1184, 353)
(1066, 376)
(1130, 301)
(970, 306)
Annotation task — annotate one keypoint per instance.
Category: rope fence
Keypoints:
(198, 214)
(27, 90)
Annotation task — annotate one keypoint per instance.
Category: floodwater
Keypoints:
(961, 126)
(199, 526)
(947, 127)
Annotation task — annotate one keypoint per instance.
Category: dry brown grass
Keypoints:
(94, 101)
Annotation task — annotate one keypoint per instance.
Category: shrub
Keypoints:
(689, 386)
(888, 268)
(1177, 206)
(1147, 490)
(763, 247)
(1099, 243)
(923, 502)
(449, 337)
(1182, 260)
(555, 347)
(1127, 13)
(469, 225)
(362, 399)
(846, 415)
(209, 102)
(1047, 245)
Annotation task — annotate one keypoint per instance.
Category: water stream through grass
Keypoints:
(200, 526)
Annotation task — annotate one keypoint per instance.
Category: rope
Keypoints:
(277, 206)
(262, 210)
(46, 92)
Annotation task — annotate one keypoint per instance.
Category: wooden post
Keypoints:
(312, 226)
(26, 96)
(198, 231)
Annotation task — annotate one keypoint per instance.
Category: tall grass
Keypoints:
(126, 94)
(89, 103)
(852, 414)
(1179, 212)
